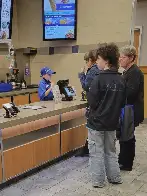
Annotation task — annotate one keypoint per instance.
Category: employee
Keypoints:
(45, 92)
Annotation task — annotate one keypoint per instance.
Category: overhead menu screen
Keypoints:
(59, 19)
(5, 19)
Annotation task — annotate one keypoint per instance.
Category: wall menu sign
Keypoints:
(59, 19)
(5, 19)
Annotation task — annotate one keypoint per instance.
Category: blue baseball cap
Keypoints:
(46, 70)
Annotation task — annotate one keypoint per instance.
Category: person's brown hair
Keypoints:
(109, 52)
(91, 55)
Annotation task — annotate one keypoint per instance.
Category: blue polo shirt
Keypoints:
(44, 85)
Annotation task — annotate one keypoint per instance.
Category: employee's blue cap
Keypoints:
(46, 70)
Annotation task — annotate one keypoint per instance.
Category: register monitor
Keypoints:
(66, 90)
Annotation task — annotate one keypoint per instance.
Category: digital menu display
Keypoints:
(59, 19)
(5, 19)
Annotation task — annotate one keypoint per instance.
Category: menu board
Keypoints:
(59, 19)
(5, 19)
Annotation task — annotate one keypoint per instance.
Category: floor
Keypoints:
(71, 178)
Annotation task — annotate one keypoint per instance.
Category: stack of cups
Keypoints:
(56, 93)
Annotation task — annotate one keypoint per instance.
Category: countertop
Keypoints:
(28, 115)
(18, 92)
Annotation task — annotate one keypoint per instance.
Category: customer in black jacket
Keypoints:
(135, 96)
(105, 98)
(86, 78)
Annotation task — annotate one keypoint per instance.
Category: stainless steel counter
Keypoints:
(18, 92)
(36, 137)
(28, 115)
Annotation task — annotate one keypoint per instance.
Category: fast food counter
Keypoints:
(19, 97)
(40, 133)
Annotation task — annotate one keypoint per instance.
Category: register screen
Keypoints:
(59, 18)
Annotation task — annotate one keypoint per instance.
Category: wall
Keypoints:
(98, 21)
(141, 20)
(4, 61)
(4, 67)
(15, 32)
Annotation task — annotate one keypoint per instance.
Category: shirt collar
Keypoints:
(124, 72)
(47, 81)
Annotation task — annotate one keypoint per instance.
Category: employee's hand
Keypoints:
(49, 90)
(52, 84)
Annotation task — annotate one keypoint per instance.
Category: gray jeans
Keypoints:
(103, 158)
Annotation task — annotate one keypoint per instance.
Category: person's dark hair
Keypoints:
(90, 55)
(109, 52)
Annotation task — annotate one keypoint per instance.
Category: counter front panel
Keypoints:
(35, 137)
(30, 155)
(21, 99)
(34, 97)
(4, 100)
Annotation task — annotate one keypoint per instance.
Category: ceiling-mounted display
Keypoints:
(59, 19)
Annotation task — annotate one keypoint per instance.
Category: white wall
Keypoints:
(141, 20)
(98, 21)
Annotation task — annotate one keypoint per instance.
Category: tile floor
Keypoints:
(70, 178)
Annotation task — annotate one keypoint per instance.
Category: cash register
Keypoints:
(11, 110)
(67, 92)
